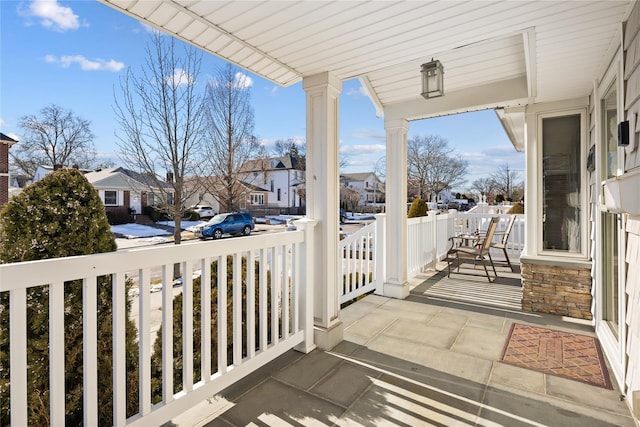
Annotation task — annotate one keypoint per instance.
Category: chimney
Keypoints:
(169, 176)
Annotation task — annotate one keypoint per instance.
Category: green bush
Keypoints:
(156, 358)
(190, 215)
(517, 208)
(418, 208)
(61, 216)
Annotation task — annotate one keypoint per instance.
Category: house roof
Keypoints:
(361, 176)
(495, 54)
(7, 139)
(124, 179)
(271, 163)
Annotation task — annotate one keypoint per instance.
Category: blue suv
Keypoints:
(226, 223)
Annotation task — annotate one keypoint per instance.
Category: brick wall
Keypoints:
(4, 173)
(557, 290)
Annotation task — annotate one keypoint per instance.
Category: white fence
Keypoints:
(362, 262)
(271, 310)
(428, 237)
(277, 317)
(358, 261)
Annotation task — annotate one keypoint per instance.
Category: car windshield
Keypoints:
(217, 219)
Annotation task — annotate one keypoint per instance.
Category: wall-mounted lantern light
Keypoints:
(432, 79)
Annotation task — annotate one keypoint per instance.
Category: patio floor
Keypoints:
(431, 359)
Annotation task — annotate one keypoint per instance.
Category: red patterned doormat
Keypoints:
(572, 356)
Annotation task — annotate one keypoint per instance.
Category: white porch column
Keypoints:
(396, 285)
(323, 193)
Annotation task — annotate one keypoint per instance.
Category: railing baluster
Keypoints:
(205, 310)
(119, 311)
(237, 309)
(187, 326)
(18, 356)
(56, 354)
(251, 302)
(295, 287)
(264, 317)
(275, 298)
(90, 350)
(167, 333)
(286, 294)
(144, 328)
(222, 314)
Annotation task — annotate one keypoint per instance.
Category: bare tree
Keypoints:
(484, 187)
(433, 165)
(231, 142)
(161, 117)
(350, 197)
(505, 181)
(56, 137)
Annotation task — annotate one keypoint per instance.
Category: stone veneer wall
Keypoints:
(560, 290)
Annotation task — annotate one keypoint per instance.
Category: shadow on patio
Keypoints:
(470, 285)
(425, 360)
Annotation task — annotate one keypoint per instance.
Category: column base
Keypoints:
(396, 290)
(327, 338)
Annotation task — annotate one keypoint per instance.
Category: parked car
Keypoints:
(226, 223)
(204, 211)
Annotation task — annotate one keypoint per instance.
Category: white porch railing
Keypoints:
(276, 283)
(279, 283)
(362, 253)
(358, 262)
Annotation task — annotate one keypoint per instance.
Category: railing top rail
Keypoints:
(369, 228)
(36, 273)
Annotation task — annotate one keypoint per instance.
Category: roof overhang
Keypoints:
(525, 52)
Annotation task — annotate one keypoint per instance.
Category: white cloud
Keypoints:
(270, 143)
(369, 134)
(242, 81)
(361, 149)
(359, 91)
(1, 121)
(180, 77)
(53, 16)
(273, 90)
(85, 64)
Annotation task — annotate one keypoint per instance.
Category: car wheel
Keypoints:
(246, 230)
(217, 233)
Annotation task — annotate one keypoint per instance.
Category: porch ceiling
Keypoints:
(541, 51)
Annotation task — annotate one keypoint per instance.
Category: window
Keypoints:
(170, 199)
(271, 186)
(562, 175)
(610, 127)
(610, 269)
(257, 199)
(279, 195)
(110, 198)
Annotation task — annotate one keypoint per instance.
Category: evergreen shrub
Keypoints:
(61, 216)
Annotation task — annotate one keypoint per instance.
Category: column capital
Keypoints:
(390, 124)
(320, 81)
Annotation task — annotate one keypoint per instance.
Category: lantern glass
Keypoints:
(432, 79)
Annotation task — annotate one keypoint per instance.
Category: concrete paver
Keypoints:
(394, 370)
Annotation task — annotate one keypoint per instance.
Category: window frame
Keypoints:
(584, 186)
(115, 193)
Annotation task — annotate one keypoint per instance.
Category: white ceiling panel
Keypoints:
(478, 42)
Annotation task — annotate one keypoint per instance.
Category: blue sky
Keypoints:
(72, 54)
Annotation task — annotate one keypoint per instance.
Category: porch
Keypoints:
(385, 368)
(420, 361)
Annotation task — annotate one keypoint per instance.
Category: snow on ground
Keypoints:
(185, 225)
(134, 231)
